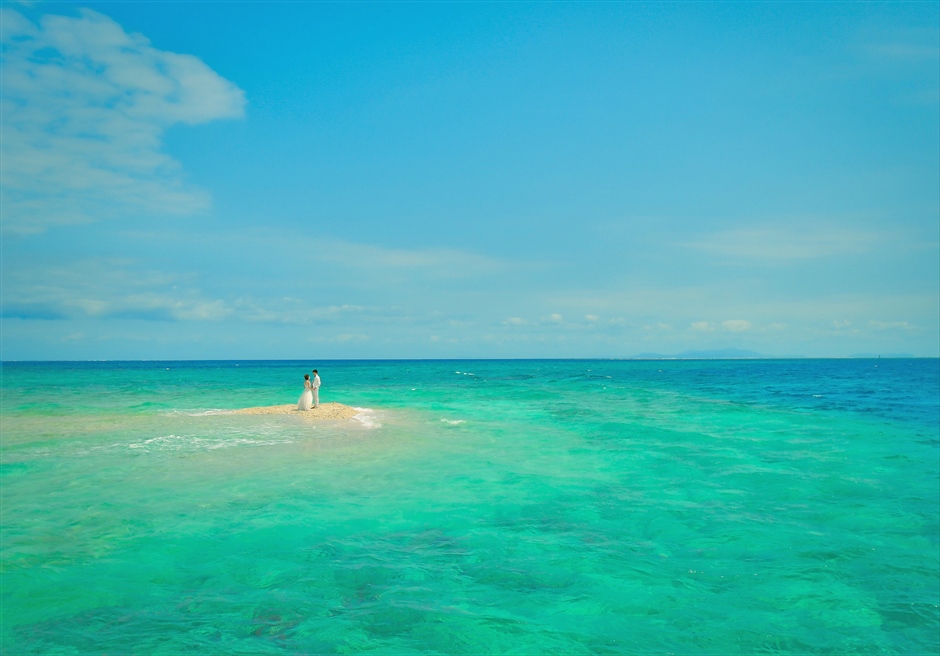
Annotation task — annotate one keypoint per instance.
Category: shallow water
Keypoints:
(578, 507)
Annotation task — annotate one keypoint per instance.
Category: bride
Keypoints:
(306, 399)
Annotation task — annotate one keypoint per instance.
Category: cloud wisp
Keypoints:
(773, 245)
(362, 281)
(105, 288)
(439, 262)
(85, 106)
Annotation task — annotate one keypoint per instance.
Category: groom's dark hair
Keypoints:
(315, 371)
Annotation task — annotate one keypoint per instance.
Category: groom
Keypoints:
(315, 385)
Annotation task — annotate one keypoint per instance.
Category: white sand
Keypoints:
(324, 411)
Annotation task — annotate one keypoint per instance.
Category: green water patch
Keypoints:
(471, 517)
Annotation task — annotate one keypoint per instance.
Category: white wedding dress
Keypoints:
(306, 399)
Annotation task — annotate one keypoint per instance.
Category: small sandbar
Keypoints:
(323, 411)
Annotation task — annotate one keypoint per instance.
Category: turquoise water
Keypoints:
(523, 507)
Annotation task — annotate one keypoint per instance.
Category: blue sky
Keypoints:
(421, 180)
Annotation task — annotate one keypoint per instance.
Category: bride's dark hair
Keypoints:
(306, 376)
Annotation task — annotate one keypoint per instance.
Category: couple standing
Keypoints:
(311, 395)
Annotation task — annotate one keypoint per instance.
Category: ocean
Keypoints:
(472, 507)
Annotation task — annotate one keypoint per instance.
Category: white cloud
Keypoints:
(736, 325)
(344, 263)
(776, 245)
(889, 325)
(685, 305)
(446, 263)
(110, 288)
(84, 108)
(105, 288)
(352, 337)
(591, 317)
(292, 311)
(906, 51)
(341, 338)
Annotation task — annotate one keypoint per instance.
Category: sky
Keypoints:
(300, 180)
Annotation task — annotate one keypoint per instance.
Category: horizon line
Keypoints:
(664, 358)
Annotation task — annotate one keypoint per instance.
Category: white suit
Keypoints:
(315, 387)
